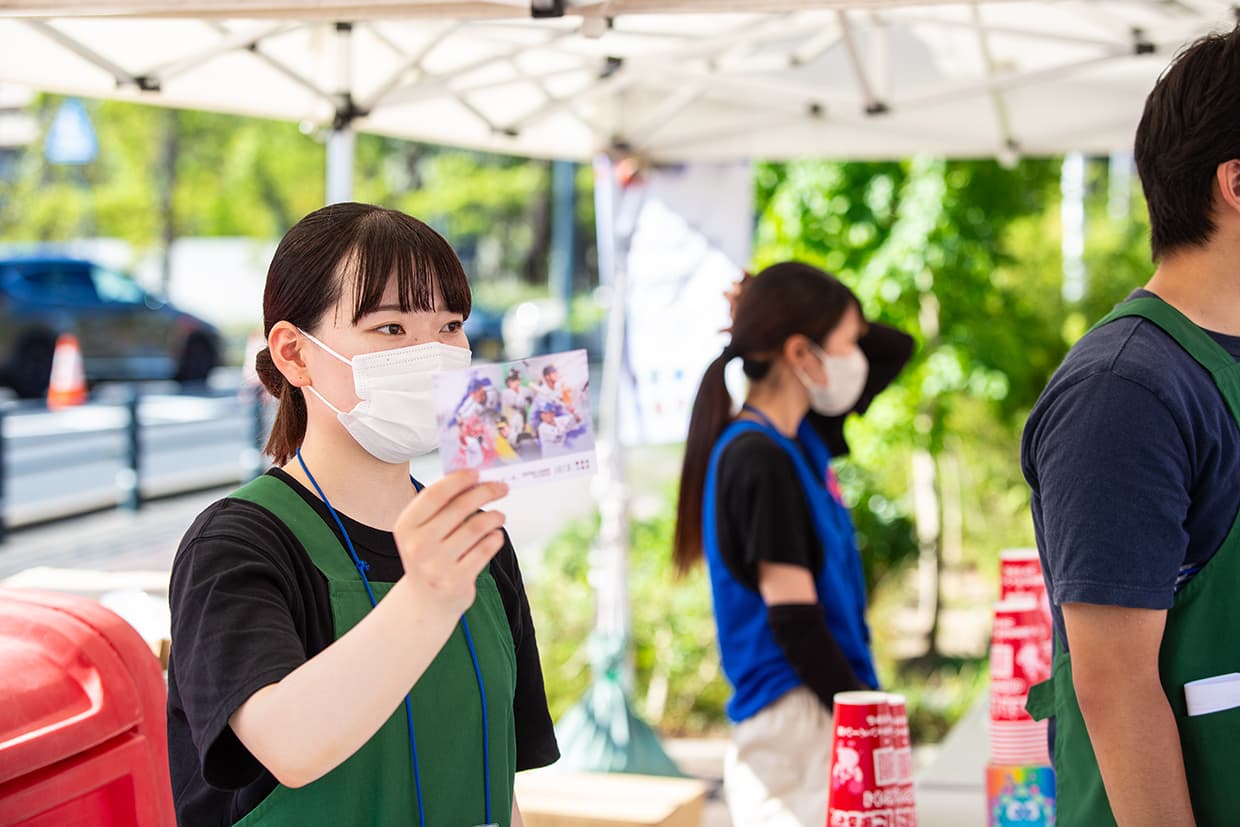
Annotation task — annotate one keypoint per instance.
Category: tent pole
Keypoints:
(340, 165)
(341, 140)
(610, 554)
(602, 732)
(563, 241)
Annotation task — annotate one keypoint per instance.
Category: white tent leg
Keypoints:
(341, 140)
(340, 165)
(609, 567)
(602, 732)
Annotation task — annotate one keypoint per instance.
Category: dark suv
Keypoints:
(125, 333)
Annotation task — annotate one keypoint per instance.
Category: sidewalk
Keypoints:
(107, 550)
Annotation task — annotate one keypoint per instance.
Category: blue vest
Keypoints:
(752, 660)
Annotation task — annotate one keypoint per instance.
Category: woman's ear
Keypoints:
(285, 343)
(799, 353)
(794, 349)
(1228, 176)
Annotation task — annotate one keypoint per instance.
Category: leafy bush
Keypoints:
(679, 686)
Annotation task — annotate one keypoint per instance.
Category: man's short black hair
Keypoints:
(548, 370)
(1190, 125)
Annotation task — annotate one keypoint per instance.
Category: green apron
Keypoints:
(375, 785)
(1201, 640)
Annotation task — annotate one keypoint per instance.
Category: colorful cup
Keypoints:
(1020, 796)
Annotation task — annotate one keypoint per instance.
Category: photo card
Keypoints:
(520, 422)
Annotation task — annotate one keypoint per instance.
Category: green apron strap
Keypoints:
(319, 541)
(374, 787)
(1191, 647)
(1195, 341)
(1041, 701)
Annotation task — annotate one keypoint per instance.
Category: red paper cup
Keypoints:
(864, 787)
(1019, 657)
(1018, 743)
(905, 811)
(1020, 572)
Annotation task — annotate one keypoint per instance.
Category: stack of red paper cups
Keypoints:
(1020, 657)
(871, 763)
(905, 810)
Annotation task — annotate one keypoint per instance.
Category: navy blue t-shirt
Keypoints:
(1132, 458)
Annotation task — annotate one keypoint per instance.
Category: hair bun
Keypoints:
(271, 377)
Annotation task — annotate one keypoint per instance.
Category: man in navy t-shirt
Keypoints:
(1132, 455)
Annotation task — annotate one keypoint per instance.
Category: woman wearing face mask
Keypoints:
(759, 501)
(353, 648)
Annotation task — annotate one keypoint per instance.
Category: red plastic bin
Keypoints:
(82, 727)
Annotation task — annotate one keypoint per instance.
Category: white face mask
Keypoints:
(846, 377)
(395, 419)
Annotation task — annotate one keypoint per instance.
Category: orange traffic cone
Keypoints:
(68, 383)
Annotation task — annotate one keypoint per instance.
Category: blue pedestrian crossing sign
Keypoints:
(71, 140)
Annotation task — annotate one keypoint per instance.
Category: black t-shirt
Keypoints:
(1131, 455)
(761, 511)
(249, 607)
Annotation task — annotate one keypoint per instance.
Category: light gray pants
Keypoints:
(777, 771)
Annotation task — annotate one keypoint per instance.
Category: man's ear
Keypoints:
(1228, 177)
(286, 343)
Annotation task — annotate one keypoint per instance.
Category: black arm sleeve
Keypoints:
(801, 631)
(536, 744)
(888, 351)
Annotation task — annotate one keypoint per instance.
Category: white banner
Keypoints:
(691, 240)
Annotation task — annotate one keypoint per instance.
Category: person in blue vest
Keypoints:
(350, 647)
(759, 501)
(1132, 455)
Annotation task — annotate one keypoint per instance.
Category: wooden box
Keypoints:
(551, 798)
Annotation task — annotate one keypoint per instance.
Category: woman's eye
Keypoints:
(392, 329)
(454, 327)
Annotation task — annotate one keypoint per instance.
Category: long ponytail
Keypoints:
(712, 411)
(783, 300)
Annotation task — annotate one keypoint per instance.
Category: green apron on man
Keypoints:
(375, 786)
(1201, 640)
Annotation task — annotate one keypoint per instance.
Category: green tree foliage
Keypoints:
(235, 176)
(232, 176)
(679, 684)
(963, 255)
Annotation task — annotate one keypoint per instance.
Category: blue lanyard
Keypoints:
(362, 566)
(766, 420)
(794, 441)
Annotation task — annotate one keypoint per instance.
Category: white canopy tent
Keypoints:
(855, 78)
(667, 81)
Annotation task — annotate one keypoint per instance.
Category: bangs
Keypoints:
(391, 244)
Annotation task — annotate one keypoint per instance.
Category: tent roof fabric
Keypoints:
(861, 79)
(389, 9)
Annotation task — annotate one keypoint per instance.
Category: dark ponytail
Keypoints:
(712, 411)
(783, 300)
(289, 428)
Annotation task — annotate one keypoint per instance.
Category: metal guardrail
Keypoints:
(139, 438)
